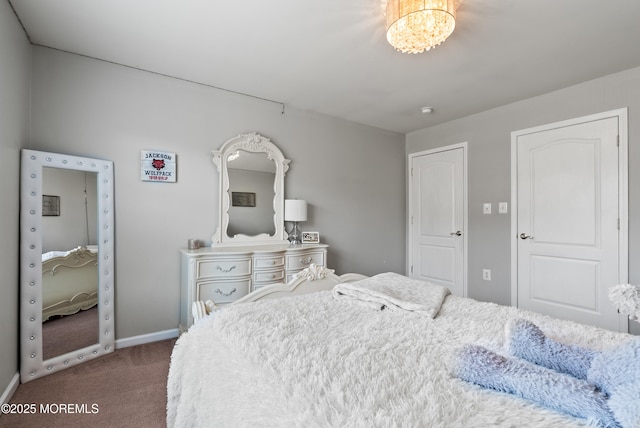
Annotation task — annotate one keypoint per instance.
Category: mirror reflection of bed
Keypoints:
(69, 263)
(69, 299)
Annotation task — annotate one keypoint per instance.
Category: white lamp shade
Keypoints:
(295, 210)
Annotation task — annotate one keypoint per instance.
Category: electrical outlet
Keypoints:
(486, 208)
(503, 207)
(486, 274)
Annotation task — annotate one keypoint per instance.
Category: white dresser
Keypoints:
(226, 273)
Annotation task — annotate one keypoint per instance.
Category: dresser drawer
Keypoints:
(223, 291)
(226, 274)
(223, 268)
(268, 277)
(263, 262)
(303, 260)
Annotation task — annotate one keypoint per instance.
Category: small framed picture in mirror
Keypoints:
(310, 237)
(50, 205)
(243, 199)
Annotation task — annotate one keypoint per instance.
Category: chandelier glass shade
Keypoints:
(415, 26)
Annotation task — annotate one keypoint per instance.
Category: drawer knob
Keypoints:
(221, 269)
(217, 290)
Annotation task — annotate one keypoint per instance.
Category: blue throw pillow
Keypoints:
(617, 372)
(525, 340)
(545, 387)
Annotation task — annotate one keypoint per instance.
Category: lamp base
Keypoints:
(294, 235)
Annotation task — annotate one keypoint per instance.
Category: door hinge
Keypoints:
(412, 172)
(618, 224)
(618, 140)
(411, 268)
(411, 220)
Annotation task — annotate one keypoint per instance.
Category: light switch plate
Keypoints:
(503, 207)
(486, 208)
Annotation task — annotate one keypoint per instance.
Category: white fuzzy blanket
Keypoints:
(626, 297)
(393, 291)
(314, 361)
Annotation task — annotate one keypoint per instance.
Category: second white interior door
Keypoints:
(437, 218)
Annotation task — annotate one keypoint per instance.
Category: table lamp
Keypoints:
(295, 210)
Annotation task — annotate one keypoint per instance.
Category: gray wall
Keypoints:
(14, 127)
(351, 175)
(76, 224)
(489, 137)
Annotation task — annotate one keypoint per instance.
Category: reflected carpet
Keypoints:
(64, 334)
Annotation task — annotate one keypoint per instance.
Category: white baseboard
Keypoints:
(147, 338)
(11, 389)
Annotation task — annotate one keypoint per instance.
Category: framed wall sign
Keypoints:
(50, 205)
(158, 166)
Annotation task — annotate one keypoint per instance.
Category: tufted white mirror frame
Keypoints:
(32, 365)
(256, 143)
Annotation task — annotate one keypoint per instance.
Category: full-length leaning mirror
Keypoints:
(252, 171)
(66, 257)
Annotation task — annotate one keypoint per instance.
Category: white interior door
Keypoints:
(437, 217)
(568, 233)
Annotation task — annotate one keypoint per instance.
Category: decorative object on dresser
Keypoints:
(310, 237)
(295, 210)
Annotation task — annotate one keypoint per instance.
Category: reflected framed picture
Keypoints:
(50, 205)
(310, 237)
(243, 199)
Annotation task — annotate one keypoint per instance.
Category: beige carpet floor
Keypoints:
(64, 334)
(127, 388)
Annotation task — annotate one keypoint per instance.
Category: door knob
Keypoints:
(525, 236)
(458, 233)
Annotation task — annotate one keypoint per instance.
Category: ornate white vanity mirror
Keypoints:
(79, 277)
(252, 171)
(249, 249)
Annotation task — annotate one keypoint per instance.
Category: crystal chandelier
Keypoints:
(414, 26)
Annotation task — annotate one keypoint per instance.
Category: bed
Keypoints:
(303, 354)
(69, 281)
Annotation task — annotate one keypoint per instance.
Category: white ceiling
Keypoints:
(331, 56)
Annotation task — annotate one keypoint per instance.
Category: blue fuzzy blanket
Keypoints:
(602, 388)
